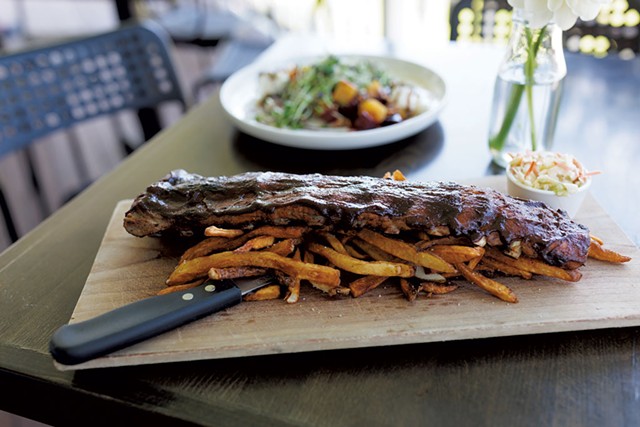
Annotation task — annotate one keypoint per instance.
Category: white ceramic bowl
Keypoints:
(570, 203)
(239, 95)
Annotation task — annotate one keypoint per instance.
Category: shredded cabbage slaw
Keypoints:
(558, 172)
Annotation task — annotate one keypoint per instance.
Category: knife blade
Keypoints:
(79, 342)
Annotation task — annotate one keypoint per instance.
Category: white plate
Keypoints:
(239, 95)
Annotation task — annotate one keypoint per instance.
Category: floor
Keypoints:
(10, 420)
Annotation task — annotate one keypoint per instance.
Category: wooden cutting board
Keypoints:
(128, 268)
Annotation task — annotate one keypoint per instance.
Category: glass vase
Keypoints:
(527, 90)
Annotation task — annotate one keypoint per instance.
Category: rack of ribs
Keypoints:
(184, 203)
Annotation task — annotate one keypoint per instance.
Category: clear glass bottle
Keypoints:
(527, 91)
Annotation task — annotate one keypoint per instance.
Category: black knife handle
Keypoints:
(120, 328)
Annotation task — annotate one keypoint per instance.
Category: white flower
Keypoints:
(562, 12)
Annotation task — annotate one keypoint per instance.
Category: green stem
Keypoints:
(532, 119)
(530, 70)
(497, 142)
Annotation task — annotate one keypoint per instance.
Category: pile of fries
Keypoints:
(353, 262)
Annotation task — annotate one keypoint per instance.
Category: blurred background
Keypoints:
(210, 39)
(360, 18)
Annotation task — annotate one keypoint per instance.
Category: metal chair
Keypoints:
(55, 87)
(238, 37)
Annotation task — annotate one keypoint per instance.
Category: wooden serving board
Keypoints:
(128, 268)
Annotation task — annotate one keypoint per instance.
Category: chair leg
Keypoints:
(37, 188)
(78, 159)
(8, 218)
(116, 124)
(150, 122)
(80, 164)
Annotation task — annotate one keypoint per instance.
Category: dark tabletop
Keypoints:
(589, 378)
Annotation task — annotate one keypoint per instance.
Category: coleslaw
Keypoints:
(560, 173)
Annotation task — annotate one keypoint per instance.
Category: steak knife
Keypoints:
(79, 342)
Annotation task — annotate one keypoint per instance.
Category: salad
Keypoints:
(560, 173)
(338, 94)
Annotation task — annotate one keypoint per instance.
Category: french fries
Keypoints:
(198, 267)
(411, 290)
(491, 286)
(356, 262)
(263, 294)
(396, 175)
(373, 251)
(596, 251)
(259, 242)
(182, 287)
(365, 284)
(335, 243)
(291, 282)
(455, 254)
(436, 289)
(235, 272)
(505, 268)
(535, 266)
(355, 265)
(406, 251)
(213, 244)
(213, 231)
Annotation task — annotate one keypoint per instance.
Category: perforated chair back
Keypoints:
(54, 87)
(57, 86)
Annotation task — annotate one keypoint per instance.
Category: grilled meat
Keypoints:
(186, 203)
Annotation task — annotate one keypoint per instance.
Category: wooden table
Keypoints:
(575, 378)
